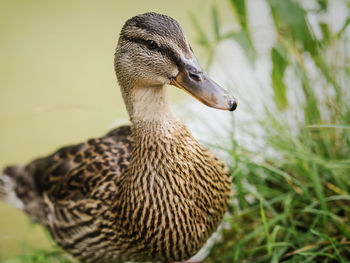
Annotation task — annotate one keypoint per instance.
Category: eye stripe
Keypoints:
(163, 50)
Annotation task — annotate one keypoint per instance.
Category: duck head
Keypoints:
(153, 51)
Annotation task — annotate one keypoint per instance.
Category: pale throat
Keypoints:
(150, 104)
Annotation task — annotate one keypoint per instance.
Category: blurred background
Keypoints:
(288, 143)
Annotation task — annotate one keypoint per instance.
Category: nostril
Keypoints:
(195, 76)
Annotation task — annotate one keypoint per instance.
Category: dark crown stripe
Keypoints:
(154, 24)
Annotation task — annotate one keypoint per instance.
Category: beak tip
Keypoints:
(232, 103)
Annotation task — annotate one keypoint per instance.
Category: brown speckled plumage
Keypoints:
(145, 192)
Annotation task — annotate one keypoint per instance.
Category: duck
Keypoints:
(144, 192)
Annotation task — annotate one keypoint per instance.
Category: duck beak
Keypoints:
(194, 80)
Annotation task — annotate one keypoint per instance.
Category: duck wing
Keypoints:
(74, 172)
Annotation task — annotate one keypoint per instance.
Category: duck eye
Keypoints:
(151, 44)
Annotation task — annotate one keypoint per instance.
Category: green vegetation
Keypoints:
(43, 256)
(292, 205)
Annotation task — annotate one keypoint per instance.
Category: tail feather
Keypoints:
(3, 191)
(8, 192)
(17, 188)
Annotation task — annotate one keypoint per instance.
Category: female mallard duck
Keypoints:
(145, 192)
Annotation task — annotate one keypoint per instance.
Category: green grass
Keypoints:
(53, 254)
(43, 256)
(295, 207)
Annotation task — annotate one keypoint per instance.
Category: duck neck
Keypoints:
(156, 132)
(148, 105)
